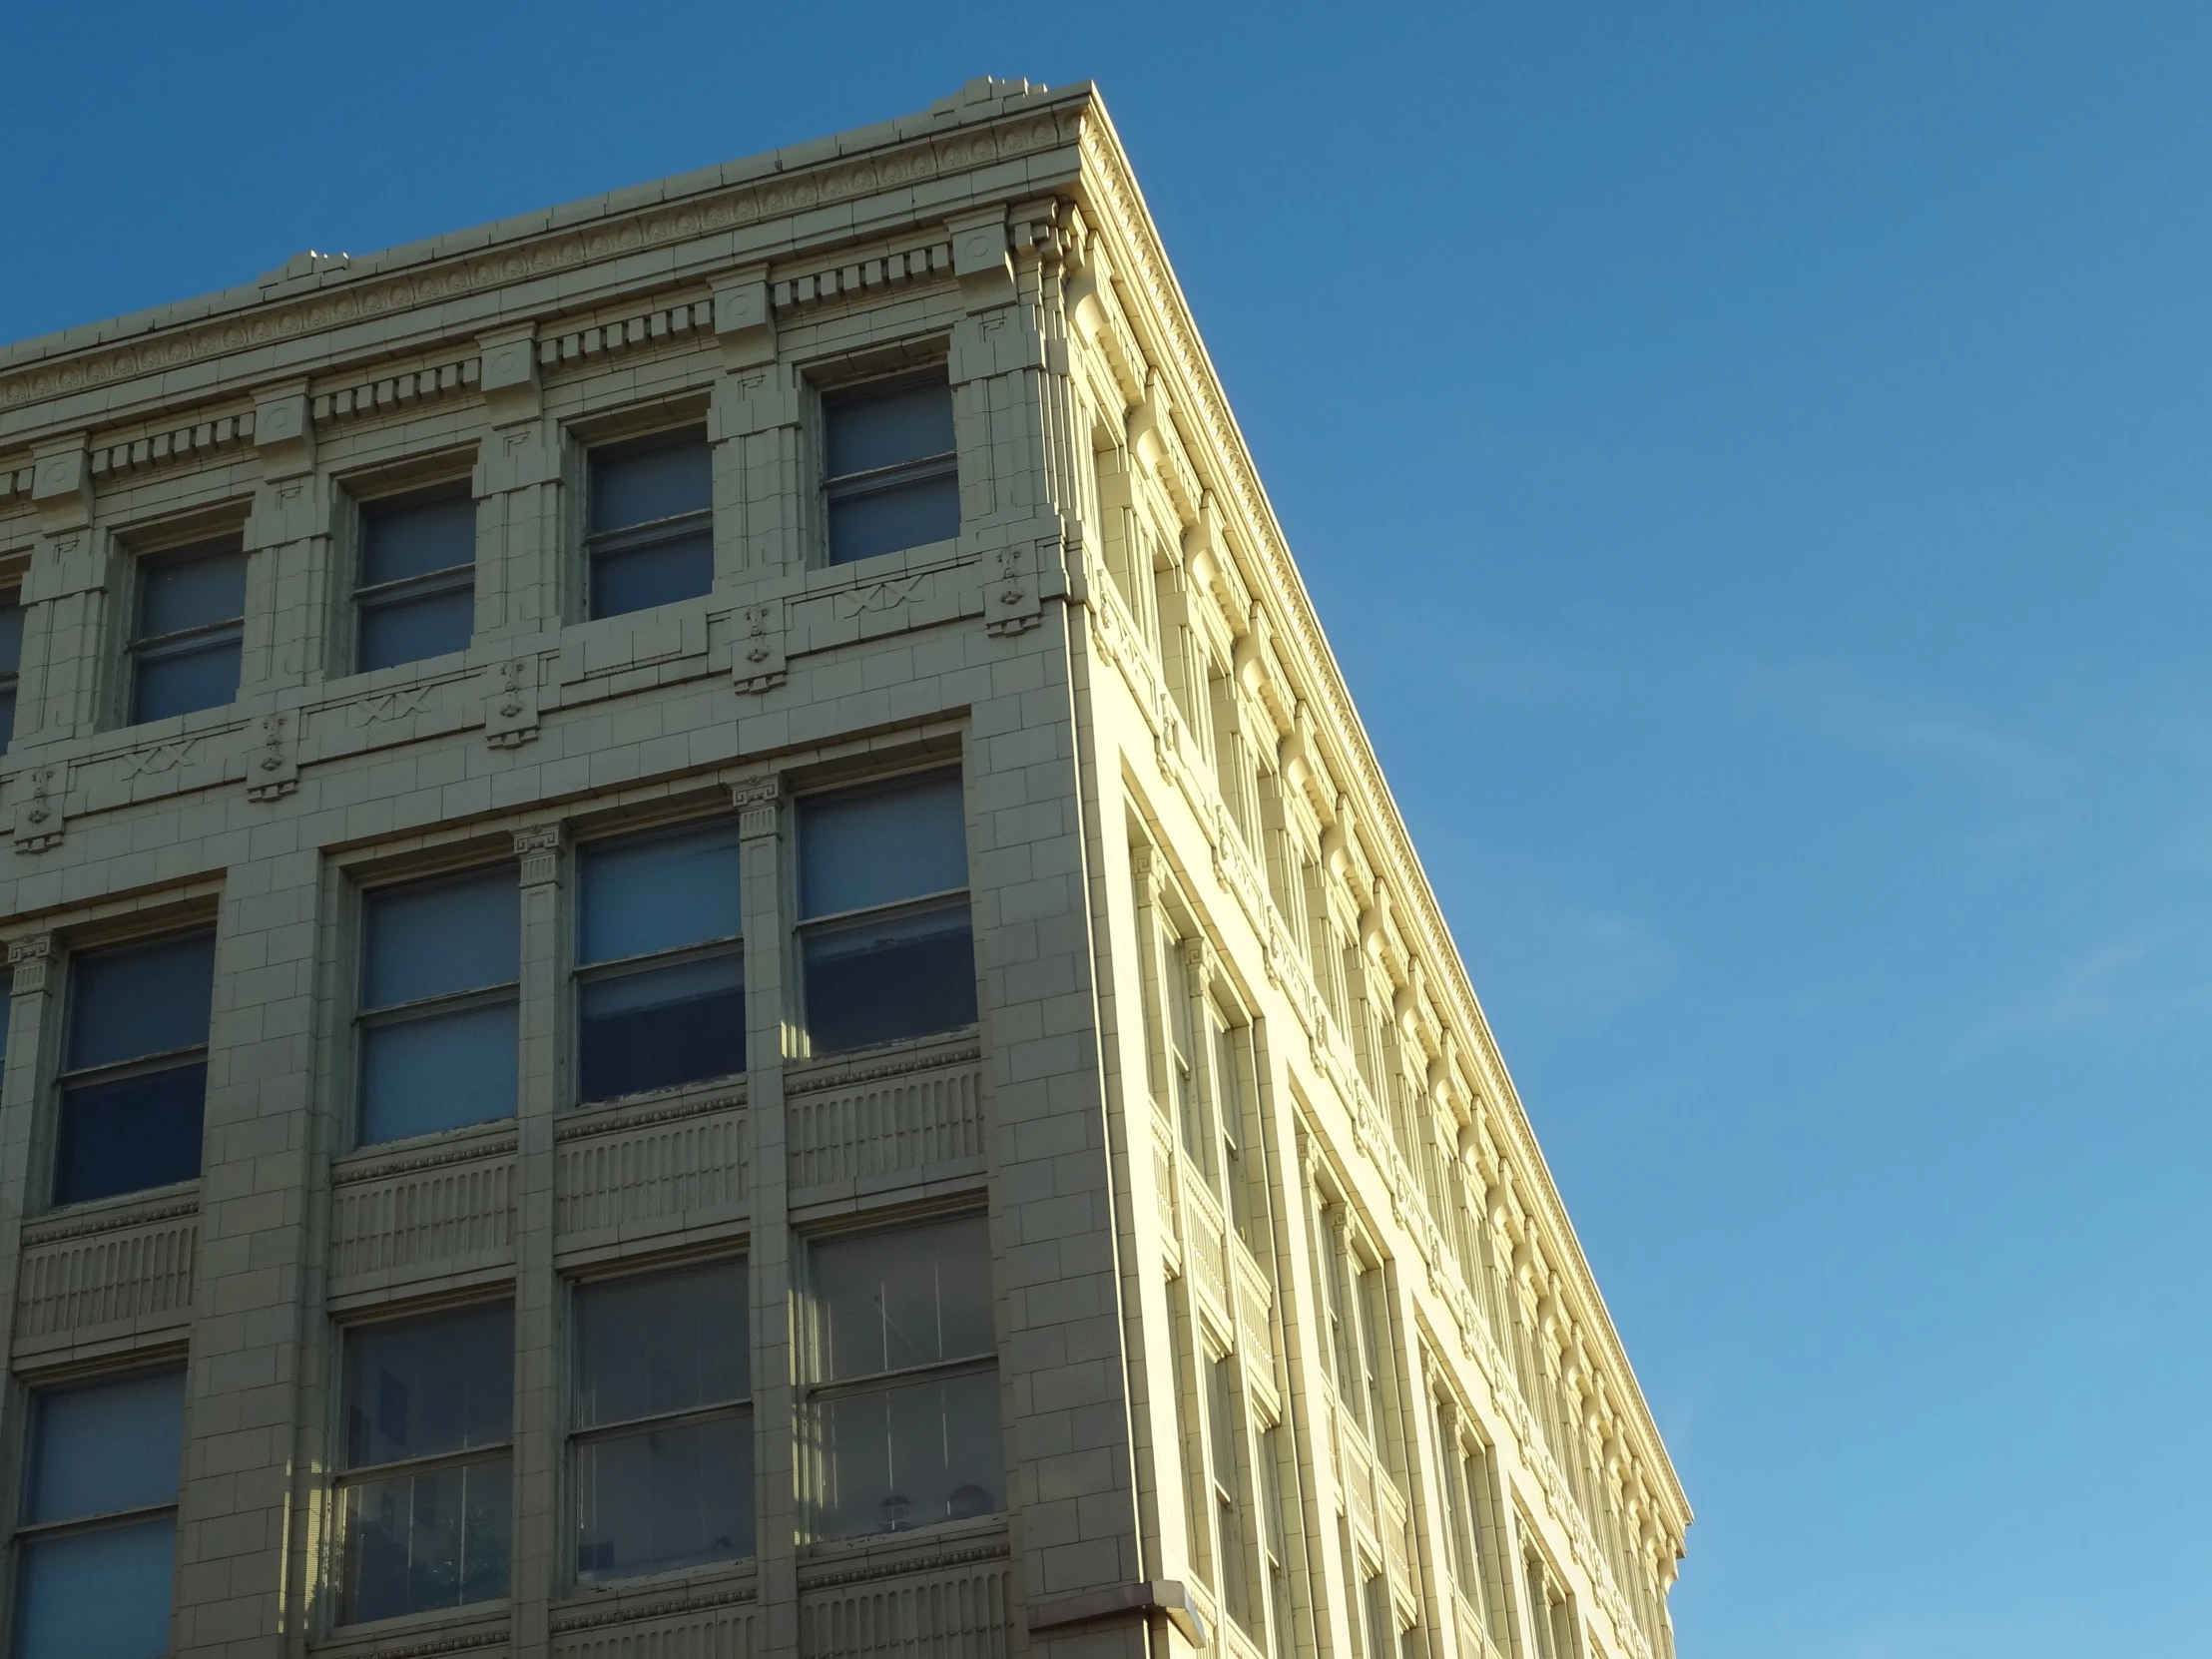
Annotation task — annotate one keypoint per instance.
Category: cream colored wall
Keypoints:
(1001, 229)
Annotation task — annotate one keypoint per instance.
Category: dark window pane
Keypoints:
(148, 999)
(659, 891)
(191, 592)
(425, 1387)
(662, 1342)
(877, 847)
(659, 480)
(913, 513)
(409, 630)
(177, 683)
(912, 1297)
(417, 538)
(438, 1071)
(107, 1446)
(912, 1455)
(869, 429)
(11, 633)
(664, 1026)
(7, 717)
(877, 981)
(97, 1595)
(443, 936)
(7, 1010)
(440, 1538)
(127, 1136)
(638, 578)
(665, 1499)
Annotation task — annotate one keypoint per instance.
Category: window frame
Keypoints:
(646, 533)
(141, 648)
(1228, 1411)
(368, 596)
(364, 1019)
(582, 973)
(575, 1437)
(345, 1476)
(68, 1080)
(833, 488)
(810, 1392)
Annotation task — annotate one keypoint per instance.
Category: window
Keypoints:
(135, 1078)
(661, 1461)
(652, 535)
(904, 1398)
(1190, 1111)
(1283, 1641)
(1343, 1328)
(884, 940)
(425, 1496)
(418, 592)
(1550, 1611)
(11, 663)
(97, 1542)
(190, 619)
(659, 986)
(1229, 1095)
(1382, 1617)
(440, 970)
(889, 475)
(1230, 1504)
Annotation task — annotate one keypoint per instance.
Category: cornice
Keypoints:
(1111, 185)
(812, 186)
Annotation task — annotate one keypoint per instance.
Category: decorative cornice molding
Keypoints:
(360, 291)
(485, 1151)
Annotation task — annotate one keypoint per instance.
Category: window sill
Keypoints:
(96, 1215)
(651, 1595)
(479, 1623)
(890, 1553)
(923, 555)
(475, 1140)
(852, 1065)
(714, 1094)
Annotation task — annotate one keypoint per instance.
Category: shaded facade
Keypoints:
(705, 961)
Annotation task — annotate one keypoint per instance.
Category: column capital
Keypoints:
(539, 849)
(755, 799)
(29, 959)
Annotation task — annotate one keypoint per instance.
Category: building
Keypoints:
(706, 964)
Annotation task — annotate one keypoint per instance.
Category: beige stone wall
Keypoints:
(1168, 799)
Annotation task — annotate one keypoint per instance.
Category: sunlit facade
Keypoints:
(706, 962)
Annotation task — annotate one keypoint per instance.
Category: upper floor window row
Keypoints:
(888, 480)
(656, 972)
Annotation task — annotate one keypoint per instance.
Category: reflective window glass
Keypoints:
(419, 1387)
(147, 999)
(637, 484)
(889, 1301)
(443, 936)
(97, 1542)
(417, 538)
(11, 663)
(193, 590)
(905, 1398)
(192, 608)
(889, 475)
(658, 893)
(652, 536)
(661, 1463)
(879, 846)
(439, 994)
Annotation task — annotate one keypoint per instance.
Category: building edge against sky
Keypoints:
(519, 740)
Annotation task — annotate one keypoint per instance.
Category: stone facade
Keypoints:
(1294, 1352)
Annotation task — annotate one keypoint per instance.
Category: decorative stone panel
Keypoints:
(681, 1167)
(706, 1628)
(893, 1124)
(132, 1273)
(963, 1608)
(415, 1218)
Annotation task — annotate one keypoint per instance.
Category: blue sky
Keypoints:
(1752, 462)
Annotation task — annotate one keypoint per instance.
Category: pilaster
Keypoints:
(540, 1442)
